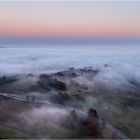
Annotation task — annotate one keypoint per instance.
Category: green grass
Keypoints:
(8, 133)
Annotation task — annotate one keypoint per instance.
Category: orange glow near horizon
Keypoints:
(70, 20)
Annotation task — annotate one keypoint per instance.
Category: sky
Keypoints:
(69, 21)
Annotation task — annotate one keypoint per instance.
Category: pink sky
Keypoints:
(70, 19)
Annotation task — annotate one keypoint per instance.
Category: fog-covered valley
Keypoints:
(104, 78)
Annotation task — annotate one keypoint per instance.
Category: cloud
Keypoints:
(123, 61)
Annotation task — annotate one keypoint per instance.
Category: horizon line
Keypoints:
(69, 41)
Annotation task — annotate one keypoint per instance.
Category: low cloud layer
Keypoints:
(41, 121)
(122, 71)
(18, 60)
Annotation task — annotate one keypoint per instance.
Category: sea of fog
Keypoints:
(123, 60)
(120, 75)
